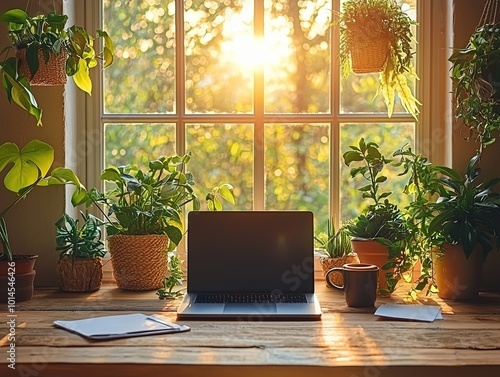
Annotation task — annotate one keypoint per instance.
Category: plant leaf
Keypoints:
(82, 77)
(30, 163)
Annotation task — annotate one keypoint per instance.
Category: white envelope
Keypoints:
(427, 313)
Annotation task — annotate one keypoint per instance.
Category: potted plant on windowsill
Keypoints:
(46, 47)
(143, 219)
(81, 249)
(453, 224)
(466, 229)
(30, 169)
(376, 36)
(379, 232)
(335, 250)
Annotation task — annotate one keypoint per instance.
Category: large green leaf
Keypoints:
(82, 77)
(18, 89)
(32, 57)
(108, 48)
(226, 191)
(16, 16)
(62, 176)
(30, 163)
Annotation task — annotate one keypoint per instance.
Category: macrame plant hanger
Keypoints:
(489, 14)
(51, 72)
(43, 7)
(484, 88)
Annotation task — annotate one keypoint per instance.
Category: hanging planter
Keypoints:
(44, 39)
(476, 76)
(376, 36)
(371, 58)
(49, 73)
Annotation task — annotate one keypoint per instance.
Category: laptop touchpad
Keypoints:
(263, 309)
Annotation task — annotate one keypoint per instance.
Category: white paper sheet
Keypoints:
(121, 326)
(427, 313)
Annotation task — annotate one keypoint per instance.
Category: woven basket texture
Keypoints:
(370, 58)
(51, 73)
(79, 275)
(139, 261)
(328, 263)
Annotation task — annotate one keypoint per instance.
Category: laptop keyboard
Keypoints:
(251, 298)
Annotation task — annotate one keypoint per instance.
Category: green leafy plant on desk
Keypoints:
(174, 280)
(81, 248)
(378, 232)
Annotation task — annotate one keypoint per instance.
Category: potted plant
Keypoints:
(422, 187)
(376, 36)
(46, 52)
(143, 217)
(476, 76)
(378, 232)
(335, 250)
(466, 228)
(81, 249)
(30, 168)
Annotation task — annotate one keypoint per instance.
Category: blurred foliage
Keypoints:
(221, 60)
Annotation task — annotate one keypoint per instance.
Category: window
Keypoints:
(253, 90)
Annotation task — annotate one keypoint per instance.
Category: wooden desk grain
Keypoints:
(346, 342)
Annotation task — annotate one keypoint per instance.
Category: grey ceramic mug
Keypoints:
(360, 283)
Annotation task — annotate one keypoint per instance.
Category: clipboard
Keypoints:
(121, 326)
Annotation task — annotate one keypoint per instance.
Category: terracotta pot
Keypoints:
(79, 275)
(372, 252)
(17, 279)
(457, 277)
(491, 275)
(139, 261)
(328, 263)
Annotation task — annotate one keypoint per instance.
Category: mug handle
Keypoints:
(329, 283)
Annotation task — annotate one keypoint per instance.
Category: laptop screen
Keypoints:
(250, 252)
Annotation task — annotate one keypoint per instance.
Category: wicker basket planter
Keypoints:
(51, 73)
(79, 275)
(370, 58)
(139, 261)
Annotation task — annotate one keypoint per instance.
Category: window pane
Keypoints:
(222, 153)
(219, 56)
(389, 138)
(358, 92)
(297, 162)
(141, 78)
(296, 52)
(137, 143)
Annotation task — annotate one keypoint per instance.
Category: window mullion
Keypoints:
(259, 156)
(335, 124)
(180, 76)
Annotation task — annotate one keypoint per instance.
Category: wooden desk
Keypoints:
(346, 342)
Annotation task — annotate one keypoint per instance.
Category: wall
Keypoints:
(31, 223)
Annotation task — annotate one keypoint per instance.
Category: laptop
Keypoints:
(250, 265)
